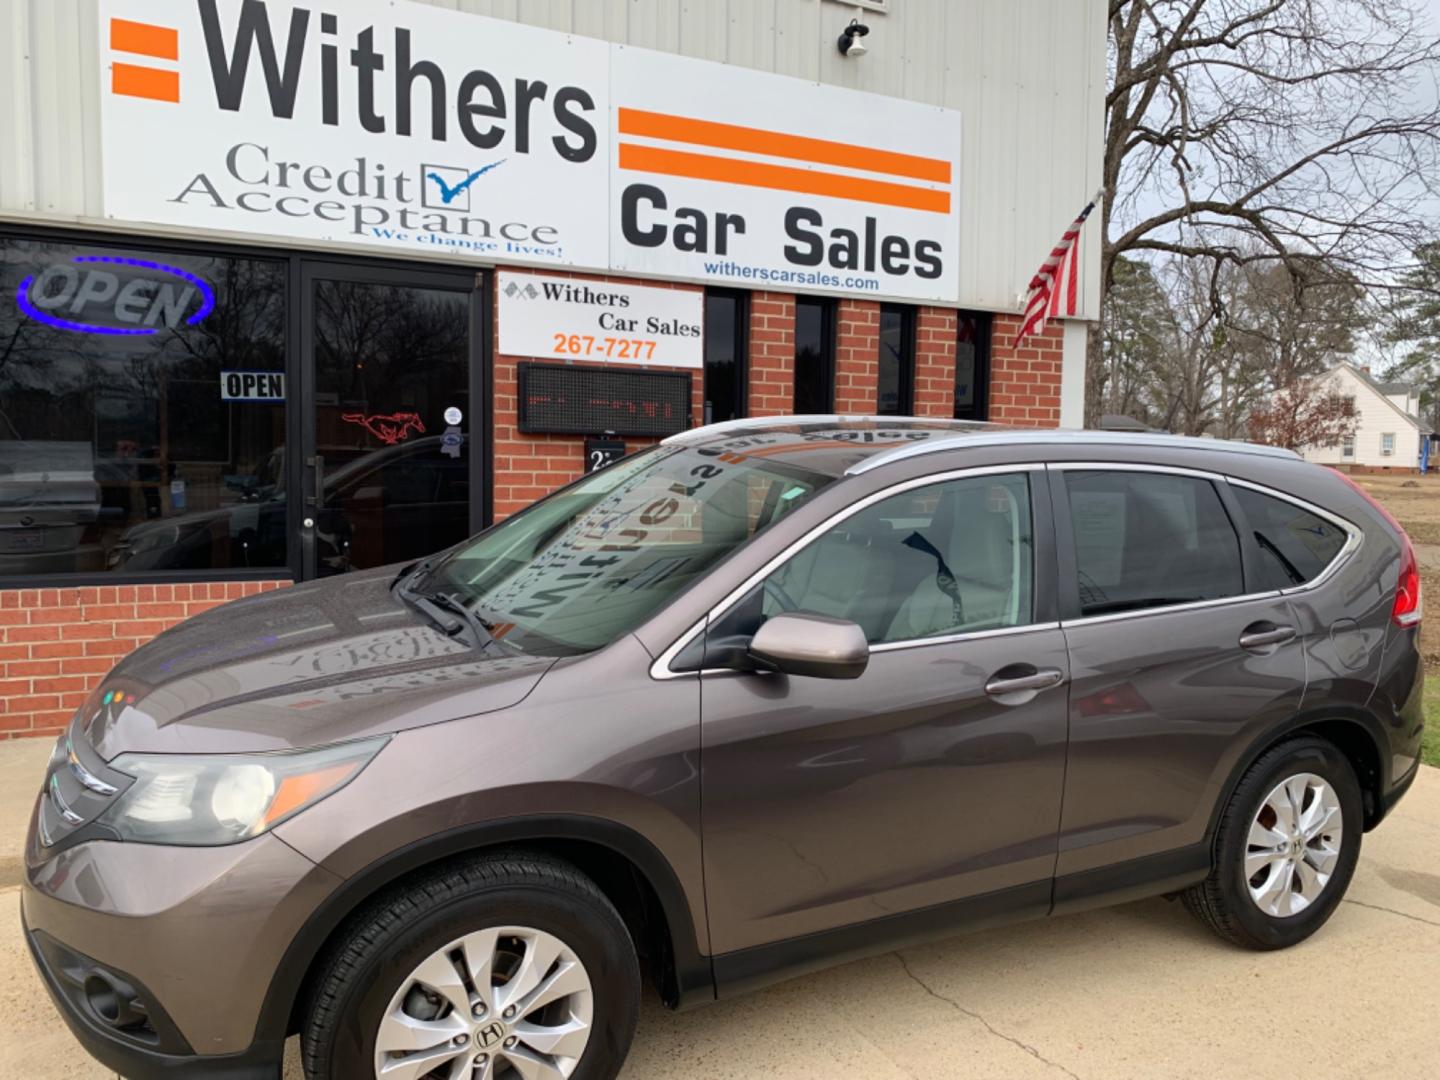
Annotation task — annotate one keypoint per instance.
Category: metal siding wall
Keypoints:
(1027, 76)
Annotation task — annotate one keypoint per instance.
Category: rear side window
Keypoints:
(1146, 540)
(1295, 545)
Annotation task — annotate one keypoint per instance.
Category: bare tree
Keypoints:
(1284, 132)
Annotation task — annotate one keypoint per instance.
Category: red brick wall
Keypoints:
(857, 357)
(56, 645)
(1025, 382)
(529, 466)
(772, 354)
(935, 362)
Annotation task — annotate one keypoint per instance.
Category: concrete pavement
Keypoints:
(1140, 992)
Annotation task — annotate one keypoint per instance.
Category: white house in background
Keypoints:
(1388, 431)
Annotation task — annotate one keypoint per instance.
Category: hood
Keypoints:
(302, 666)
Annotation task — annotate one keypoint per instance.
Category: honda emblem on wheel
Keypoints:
(489, 1035)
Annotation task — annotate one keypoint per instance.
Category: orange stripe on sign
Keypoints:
(134, 81)
(161, 42)
(778, 144)
(653, 159)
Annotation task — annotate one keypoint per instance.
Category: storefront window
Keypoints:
(972, 366)
(897, 360)
(142, 410)
(814, 355)
(725, 312)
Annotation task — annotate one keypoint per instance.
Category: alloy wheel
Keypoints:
(507, 1003)
(1294, 845)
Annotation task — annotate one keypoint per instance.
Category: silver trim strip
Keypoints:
(60, 804)
(85, 776)
(660, 669)
(1056, 437)
(973, 635)
(1194, 605)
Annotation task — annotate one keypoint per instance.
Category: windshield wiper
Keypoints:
(442, 609)
(482, 628)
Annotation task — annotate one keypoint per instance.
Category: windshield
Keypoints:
(591, 562)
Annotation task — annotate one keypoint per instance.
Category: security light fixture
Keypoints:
(850, 43)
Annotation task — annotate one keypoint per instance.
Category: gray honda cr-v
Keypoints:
(766, 697)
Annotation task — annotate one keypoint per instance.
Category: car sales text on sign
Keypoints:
(566, 319)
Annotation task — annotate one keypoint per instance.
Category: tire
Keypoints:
(1282, 915)
(364, 978)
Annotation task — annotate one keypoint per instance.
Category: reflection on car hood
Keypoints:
(301, 666)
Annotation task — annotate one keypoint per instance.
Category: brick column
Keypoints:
(1025, 382)
(935, 362)
(857, 360)
(772, 354)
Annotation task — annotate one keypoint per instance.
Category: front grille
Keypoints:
(79, 787)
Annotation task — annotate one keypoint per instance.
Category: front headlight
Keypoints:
(225, 798)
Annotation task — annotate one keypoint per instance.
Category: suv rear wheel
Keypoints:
(1285, 849)
(503, 967)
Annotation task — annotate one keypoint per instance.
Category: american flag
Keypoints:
(1053, 289)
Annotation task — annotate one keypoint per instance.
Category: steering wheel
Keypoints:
(776, 592)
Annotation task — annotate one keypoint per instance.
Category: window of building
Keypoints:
(142, 410)
(972, 366)
(1295, 545)
(951, 558)
(1146, 540)
(726, 311)
(1347, 446)
(814, 354)
(896, 392)
(1387, 443)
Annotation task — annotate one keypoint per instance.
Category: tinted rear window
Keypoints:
(1146, 540)
(1295, 545)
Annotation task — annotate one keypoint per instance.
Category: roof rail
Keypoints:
(724, 427)
(1062, 437)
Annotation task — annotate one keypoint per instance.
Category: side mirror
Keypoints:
(798, 643)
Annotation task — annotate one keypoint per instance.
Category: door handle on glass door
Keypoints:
(1004, 682)
(1260, 634)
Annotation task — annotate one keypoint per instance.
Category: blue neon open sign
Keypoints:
(115, 295)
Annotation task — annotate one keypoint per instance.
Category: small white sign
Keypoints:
(568, 319)
(453, 415)
(252, 386)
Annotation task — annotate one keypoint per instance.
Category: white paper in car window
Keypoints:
(1098, 519)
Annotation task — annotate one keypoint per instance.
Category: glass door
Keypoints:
(387, 387)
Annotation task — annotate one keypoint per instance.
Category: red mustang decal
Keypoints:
(389, 428)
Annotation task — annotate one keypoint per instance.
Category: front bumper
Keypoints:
(148, 1048)
(200, 932)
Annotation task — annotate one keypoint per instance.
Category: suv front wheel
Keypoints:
(496, 967)
(1285, 849)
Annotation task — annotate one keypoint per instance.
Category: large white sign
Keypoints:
(722, 173)
(402, 126)
(569, 319)
(412, 128)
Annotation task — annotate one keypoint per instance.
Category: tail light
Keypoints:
(1406, 610)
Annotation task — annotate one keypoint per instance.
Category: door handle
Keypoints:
(1258, 635)
(317, 464)
(1041, 679)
